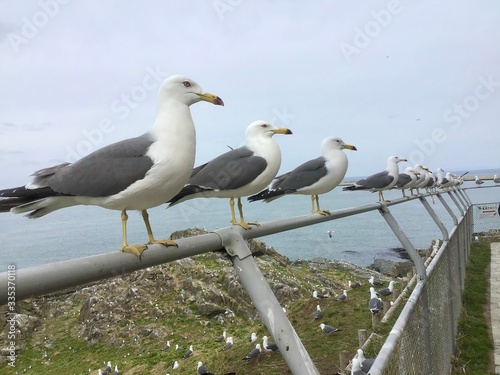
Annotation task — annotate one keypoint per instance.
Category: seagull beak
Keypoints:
(282, 131)
(350, 147)
(402, 159)
(211, 98)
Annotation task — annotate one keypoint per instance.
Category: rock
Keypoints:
(390, 268)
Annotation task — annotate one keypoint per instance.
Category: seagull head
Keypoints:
(335, 143)
(261, 128)
(185, 90)
(395, 159)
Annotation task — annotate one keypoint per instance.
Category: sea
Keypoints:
(83, 231)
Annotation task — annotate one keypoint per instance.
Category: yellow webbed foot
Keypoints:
(165, 243)
(136, 250)
(322, 212)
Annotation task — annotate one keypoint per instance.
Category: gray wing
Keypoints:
(229, 171)
(403, 179)
(376, 181)
(304, 175)
(104, 172)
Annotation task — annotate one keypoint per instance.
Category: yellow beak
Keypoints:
(282, 131)
(211, 98)
(350, 147)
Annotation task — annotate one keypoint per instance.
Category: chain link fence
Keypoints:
(427, 325)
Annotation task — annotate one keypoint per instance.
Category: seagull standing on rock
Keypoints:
(133, 174)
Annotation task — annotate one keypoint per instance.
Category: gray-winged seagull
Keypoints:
(238, 173)
(314, 177)
(133, 174)
(381, 181)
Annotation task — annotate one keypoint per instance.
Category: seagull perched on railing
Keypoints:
(407, 180)
(237, 173)
(478, 181)
(133, 174)
(314, 177)
(381, 181)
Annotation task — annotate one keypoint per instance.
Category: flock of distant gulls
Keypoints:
(158, 167)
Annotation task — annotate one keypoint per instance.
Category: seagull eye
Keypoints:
(186, 84)
(264, 126)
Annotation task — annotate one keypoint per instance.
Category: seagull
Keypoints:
(189, 352)
(167, 345)
(221, 338)
(478, 181)
(318, 314)
(268, 346)
(330, 233)
(133, 174)
(366, 363)
(496, 179)
(386, 291)
(328, 329)
(255, 352)
(381, 181)
(252, 337)
(228, 345)
(202, 370)
(444, 181)
(107, 369)
(407, 180)
(237, 173)
(356, 367)
(375, 304)
(314, 177)
(116, 372)
(354, 285)
(177, 347)
(343, 296)
(374, 282)
(319, 295)
(175, 366)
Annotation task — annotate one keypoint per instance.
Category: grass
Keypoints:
(474, 343)
(181, 324)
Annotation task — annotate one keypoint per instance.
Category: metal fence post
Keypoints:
(422, 276)
(459, 206)
(448, 208)
(268, 307)
(436, 219)
(460, 198)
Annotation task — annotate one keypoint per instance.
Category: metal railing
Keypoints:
(418, 318)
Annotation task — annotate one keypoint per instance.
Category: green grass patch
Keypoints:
(474, 343)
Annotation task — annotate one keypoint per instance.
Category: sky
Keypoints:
(406, 78)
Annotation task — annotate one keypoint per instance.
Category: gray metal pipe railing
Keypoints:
(40, 280)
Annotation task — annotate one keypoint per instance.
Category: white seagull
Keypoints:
(375, 304)
(237, 173)
(381, 181)
(314, 177)
(133, 174)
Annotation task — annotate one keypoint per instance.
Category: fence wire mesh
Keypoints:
(443, 291)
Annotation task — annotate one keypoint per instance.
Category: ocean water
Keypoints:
(84, 231)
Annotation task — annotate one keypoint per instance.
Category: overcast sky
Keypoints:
(418, 79)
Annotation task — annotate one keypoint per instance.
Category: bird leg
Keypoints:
(315, 197)
(151, 239)
(381, 197)
(137, 250)
(404, 194)
(241, 223)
